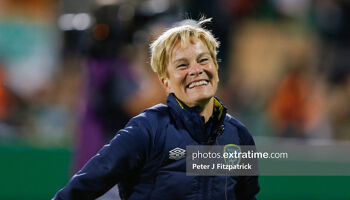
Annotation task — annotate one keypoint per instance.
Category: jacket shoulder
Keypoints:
(152, 117)
(243, 133)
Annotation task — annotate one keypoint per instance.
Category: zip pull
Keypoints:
(218, 133)
(220, 130)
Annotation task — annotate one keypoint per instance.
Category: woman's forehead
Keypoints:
(182, 47)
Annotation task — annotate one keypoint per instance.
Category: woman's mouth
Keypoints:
(197, 84)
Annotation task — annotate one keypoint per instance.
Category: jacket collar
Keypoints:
(190, 119)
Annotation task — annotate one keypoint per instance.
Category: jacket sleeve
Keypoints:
(124, 154)
(248, 186)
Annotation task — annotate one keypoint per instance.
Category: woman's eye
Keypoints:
(203, 60)
(181, 66)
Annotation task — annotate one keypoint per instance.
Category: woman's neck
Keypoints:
(207, 109)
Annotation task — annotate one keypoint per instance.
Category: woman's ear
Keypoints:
(166, 84)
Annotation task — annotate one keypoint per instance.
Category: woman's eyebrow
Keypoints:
(203, 54)
(184, 59)
(180, 60)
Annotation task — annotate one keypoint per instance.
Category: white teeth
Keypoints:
(198, 83)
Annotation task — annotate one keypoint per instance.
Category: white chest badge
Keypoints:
(177, 153)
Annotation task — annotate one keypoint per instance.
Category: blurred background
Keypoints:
(73, 72)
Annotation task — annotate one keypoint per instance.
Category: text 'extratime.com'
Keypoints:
(238, 155)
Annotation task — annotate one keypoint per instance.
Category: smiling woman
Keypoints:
(147, 158)
(185, 59)
(192, 75)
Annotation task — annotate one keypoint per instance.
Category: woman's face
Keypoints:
(192, 74)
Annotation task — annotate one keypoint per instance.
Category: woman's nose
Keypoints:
(195, 69)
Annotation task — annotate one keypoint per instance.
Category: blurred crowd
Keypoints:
(73, 72)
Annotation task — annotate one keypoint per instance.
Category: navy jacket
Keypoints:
(137, 158)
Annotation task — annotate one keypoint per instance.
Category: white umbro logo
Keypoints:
(177, 153)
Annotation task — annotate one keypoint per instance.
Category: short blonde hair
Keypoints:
(162, 47)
